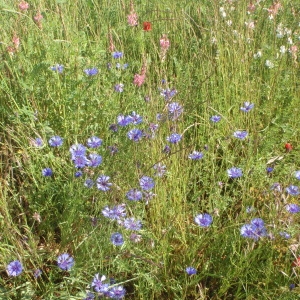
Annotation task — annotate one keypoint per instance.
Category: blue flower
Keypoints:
(94, 142)
(297, 175)
(134, 195)
(77, 150)
(117, 55)
(234, 172)
(37, 273)
(269, 169)
(115, 213)
(99, 285)
(65, 261)
(168, 93)
(123, 120)
(95, 160)
(175, 110)
(57, 68)
(135, 118)
(146, 183)
(191, 271)
(240, 134)
(14, 268)
(117, 292)
(215, 119)
(247, 107)
(293, 190)
(55, 141)
(247, 231)
(285, 235)
(91, 72)
(89, 183)
(135, 134)
(117, 239)
(174, 138)
(292, 208)
(47, 172)
(80, 161)
(132, 224)
(160, 169)
(203, 220)
(37, 142)
(254, 230)
(166, 149)
(89, 296)
(119, 88)
(103, 183)
(195, 155)
(113, 127)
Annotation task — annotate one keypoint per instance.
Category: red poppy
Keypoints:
(147, 26)
(288, 147)
(296, 263)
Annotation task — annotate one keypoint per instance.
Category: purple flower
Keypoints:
(89, 296)
(94, 142)
(103, 183)
(203, 220)
(65, 261)
(37, 142)
(117, 239)
(195, 155)
(134, 195)
(191, 271)
(247, 107)
(37, 273)
(117, 55)
(147, 183)
(297, 175)
(174, 138)
(240, 134)
(247, 231)
(285, 235)
(98, 284)
(132, 224)
(89, 183)
(160, 169)
(166, 149)
(269, 169)
(254, 230)
(119, 88)
(55, 141)
(14, 268)
(115, 213)
(292, 208)
(57, 68)
(135, 118)
(113, 127)
(293, 190)
(215, 119)
(136, 238)
(117, 292)
(91, 72)
(113, 149)
(276, 187)
(168, 93)
(123, 120)
(80, 161)
(234, 172)
(47, 172)
(175, 110)
(95, 160)
(135, 134)
(77, 150)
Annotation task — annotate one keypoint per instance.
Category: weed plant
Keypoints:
(149, 149)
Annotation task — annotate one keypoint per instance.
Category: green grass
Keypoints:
(211, 63)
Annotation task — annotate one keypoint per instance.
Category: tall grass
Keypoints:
(217, 60)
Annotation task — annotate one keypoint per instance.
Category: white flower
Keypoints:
(269, 64)
(282, 49)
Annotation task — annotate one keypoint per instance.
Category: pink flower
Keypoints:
(16, 41)
(38, 17)
(132, 19)
(164, 42)
(139, 79)
(23, 5)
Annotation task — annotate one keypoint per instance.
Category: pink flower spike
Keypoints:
(139, 79)
(23, 5)
(164, 42)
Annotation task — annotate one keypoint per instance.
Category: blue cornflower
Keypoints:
(134, 195)
(65, 261)
(175, 110)
(132, 224)
(166, 149)
(89, 296)
(14, 268)
(117, 239)
(191, 271)
(103, 183)
(57, 68)
(99, 285)
(119, 88)
(160, 169)
(117, 55)
(115, 213)
(276, 187)
(203, 220)
(293, 190)
(195, 155)
(91, 72)
(37, 273)
(250, 209)
(89, 183)
(269, 169)
(136, 118)
(80, 161)
(117, 292)
(247, 231)
(37, 142)
(240, 134)
(135, 134)
(297, 175)
(146, 183)
(113, 127)
(174, 138)
(254, 230)
(95, 160)
(94, 142)
(47, 172)
(234, 172)
(55, 141)
(247, 107)
(292, 208)
(77, 150)
(284, 234)
(168, 93)
(215, 119)
(123, 120)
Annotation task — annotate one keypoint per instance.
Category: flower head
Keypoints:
(119, 88)
(99, 285)
(47, 172)
(37, 273)
(191, 271)
(134, 195)
(175, 110)
(55, 141)
(234, 172)
(91, 72)
(95, 160)
(132, 224)
(293, 190)
(247, 107)
(115, 213)
(195, 155)
(135, 134)
(146, 183)
(132, 19)
(117, 292)
(147, 26)
(65, 261)
(240, 134)
(139, 79)
(94, 142)
(117, 239)
(117, 54)
(57, 68)
(292, 208)
(77, 150)
(89, 183)
(215, 119)
(174, 138)
(297, 174)
(164, 42)
(37, 142)
(103, 183)
(123, 120)
(168, 93)
(23, 5)
(160, 169)
(14, 268)
(203, 220)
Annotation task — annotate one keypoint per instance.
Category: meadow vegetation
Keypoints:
(149, 149)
